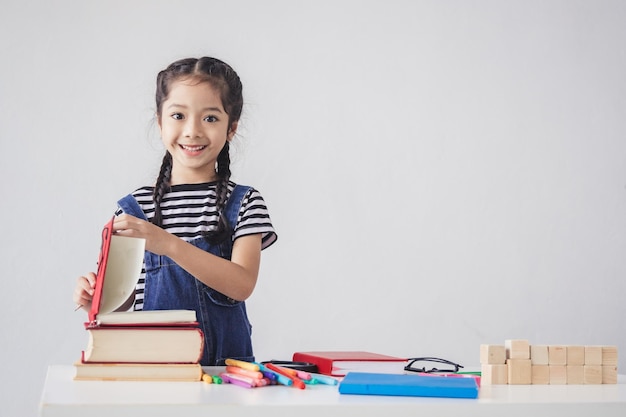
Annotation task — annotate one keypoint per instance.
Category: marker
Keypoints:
(217, 379)
(230, 378)
(281, 379)
(296, 372)
(323, 379)
(269, 375)
(249, 380)
(288, 371)
(296, 381)
(242, 364)
(305, 376)
(311, 381)
(245, 372)
(262, 382)
(207, 378)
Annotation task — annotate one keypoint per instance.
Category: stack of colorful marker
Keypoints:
(252, 374)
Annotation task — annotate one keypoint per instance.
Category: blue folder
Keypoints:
(367, 383)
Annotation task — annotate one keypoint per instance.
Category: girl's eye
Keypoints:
(177, 116)
(210, 119)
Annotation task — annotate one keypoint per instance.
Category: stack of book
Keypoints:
(135, 345)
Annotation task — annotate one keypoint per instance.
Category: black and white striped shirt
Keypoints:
(188, 211)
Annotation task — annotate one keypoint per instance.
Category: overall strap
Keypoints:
(130, 206)
(231, 211)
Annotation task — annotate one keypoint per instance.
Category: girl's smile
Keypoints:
(193, 150)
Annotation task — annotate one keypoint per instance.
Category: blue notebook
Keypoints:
(367, 383)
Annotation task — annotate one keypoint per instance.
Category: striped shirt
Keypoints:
(188, 211)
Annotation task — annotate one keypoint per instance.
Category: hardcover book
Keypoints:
(144, 344)
(137, 372)
(339, 363)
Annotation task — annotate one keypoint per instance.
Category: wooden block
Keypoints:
(492, 355)
(557, 355)
(593, 355)
(540, 374)
(496, 374)
(575, 374)
(609, 374)
(592, 374)
(575, 355)
(558, 374)
(609, 355)
(517, 349)
(539, 354)
(519, 371)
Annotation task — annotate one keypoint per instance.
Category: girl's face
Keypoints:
(194, 128)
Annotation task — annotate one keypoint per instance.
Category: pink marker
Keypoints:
(232, 379)
(303, 375)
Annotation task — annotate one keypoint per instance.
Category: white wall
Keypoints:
(441, 173)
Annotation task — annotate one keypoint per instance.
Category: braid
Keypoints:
(223, 230)
(161, 187)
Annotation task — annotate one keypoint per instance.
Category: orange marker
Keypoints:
(279, 370)
(245, 372)
(295, 372)
(288, 371)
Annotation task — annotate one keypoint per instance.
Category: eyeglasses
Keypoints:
(422, 364)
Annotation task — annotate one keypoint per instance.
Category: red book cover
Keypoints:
(102, 263)
(338, 363)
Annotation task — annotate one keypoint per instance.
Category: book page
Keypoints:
(122, 271)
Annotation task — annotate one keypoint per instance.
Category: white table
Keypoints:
(62, 396)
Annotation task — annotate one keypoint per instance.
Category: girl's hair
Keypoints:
(223, 78)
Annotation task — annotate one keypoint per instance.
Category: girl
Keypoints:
(204, 234)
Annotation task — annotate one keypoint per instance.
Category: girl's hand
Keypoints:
(157, 239)
(83, 293)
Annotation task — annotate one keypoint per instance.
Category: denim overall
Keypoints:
(224, 321)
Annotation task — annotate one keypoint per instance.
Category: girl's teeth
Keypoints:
(192, 148)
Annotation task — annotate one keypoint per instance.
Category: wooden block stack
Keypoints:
(519, 363)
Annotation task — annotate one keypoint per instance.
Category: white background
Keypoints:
(441, 174)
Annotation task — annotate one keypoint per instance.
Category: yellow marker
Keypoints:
(207, 378)
(244, 365)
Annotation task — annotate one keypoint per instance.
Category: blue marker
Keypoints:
(323, 379)
(269, 375)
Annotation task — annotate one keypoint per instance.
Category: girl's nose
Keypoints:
(192, 128)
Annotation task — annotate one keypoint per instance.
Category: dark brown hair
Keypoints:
(223, 78)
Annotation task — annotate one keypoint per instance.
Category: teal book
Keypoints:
(367, 383)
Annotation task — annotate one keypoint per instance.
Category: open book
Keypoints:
(119, 268)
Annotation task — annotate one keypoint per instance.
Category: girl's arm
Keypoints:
(235, 278)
